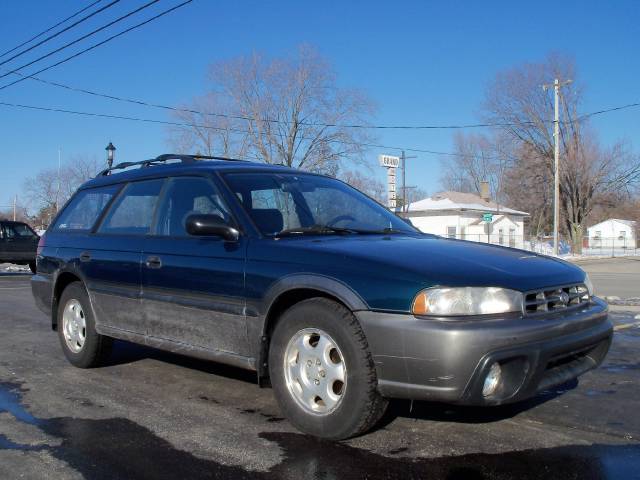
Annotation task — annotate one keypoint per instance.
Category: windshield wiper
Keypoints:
(326, 229)
(314, 230)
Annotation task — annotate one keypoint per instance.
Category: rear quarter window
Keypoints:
(84, 209)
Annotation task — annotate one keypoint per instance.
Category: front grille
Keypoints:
(556, 298)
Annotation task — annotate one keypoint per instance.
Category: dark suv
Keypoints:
(332, 299)
(18, 243)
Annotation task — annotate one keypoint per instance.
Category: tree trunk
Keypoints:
(576, 234)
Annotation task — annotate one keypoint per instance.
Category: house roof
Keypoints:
(459, 201)
(629, 223)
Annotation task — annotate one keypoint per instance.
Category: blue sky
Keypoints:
(421, 62)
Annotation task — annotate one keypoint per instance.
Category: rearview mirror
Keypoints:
(211, 225)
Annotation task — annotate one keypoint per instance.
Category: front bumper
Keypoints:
(447, 360)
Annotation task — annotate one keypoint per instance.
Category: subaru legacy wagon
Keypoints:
(330, 298)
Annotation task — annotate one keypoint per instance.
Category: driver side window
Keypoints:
(187, 196)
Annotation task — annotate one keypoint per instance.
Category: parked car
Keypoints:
(18, 243)
(332, 299)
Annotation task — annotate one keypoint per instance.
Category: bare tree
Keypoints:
(287, 111)
(211, 129)
(517, 101)
(50, 188)
(366, 184)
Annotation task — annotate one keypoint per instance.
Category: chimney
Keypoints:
(484, 191)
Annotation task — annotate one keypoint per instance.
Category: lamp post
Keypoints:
(110, 151)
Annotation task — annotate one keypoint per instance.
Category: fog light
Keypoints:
(492, 381)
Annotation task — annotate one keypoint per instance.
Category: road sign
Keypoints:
(389, 161)
(487, 217)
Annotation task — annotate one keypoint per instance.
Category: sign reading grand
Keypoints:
(389, 161)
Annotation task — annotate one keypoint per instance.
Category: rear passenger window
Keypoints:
(188, 196)
(132, 212)
(84, 209)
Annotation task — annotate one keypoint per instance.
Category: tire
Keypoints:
(32, 266)
(352, 406)
(81, 344)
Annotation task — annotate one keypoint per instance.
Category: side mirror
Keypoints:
(211, 225)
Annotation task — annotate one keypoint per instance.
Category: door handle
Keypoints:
(85, 256)
(153, 262)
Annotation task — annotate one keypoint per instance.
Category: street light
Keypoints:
(110, 150)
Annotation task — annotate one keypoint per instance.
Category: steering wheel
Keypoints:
(340, 218)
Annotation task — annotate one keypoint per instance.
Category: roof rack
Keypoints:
(163, 159)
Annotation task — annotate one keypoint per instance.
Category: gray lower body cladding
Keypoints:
(436, 360)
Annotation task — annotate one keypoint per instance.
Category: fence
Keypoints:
(595, 246)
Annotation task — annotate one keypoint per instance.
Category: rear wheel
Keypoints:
(32, 266)
(322, 371)
(81, 344)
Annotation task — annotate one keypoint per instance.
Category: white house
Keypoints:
(612, 233)
(462, 215)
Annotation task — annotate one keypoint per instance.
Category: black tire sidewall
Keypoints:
(345, 421)
(86, 357)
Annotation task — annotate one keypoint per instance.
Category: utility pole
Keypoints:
(15, 203)
(556, 158)
(404, 158)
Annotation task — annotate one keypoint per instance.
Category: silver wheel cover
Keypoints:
(315, 371)
(74, 325)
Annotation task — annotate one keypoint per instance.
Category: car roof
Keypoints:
(197, 167)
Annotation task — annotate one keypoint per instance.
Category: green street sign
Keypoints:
(487, 217)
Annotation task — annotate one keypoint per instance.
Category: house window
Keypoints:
(451, 232)
(501, 236)
(512, 237)
(598, 234)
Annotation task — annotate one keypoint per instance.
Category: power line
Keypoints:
(50, 28)
(99, 43)
(235, 130)
(79, 39)
(83, 19)
(209, 127)
(250, 119)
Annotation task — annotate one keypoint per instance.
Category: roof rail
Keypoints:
(163, 159)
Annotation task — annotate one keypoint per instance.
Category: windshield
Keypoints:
(287, 203)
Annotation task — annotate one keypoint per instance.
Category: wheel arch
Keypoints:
(63, 280)
(295, 289)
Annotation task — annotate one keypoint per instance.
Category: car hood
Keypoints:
(431, 261)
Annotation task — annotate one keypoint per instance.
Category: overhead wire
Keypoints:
(113, 37)
(79, 39)
(50, 28)
(209, 127)
(50, 37)
(268, 120)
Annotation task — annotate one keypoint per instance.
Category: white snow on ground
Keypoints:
(10, 267)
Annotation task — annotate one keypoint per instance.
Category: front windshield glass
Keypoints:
(287, 203)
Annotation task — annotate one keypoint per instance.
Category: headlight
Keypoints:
(588, 284)
(467, 301)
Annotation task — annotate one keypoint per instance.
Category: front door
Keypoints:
(193, 287)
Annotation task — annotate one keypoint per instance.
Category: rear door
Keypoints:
(112, 262)
(193, 287)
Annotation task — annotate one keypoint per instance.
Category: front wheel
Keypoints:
(322, 371)
(32, 266)
(81, 344)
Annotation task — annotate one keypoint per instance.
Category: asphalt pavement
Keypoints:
(150, 414)
(617, 277)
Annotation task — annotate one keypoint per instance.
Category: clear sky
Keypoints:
(422, 62)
